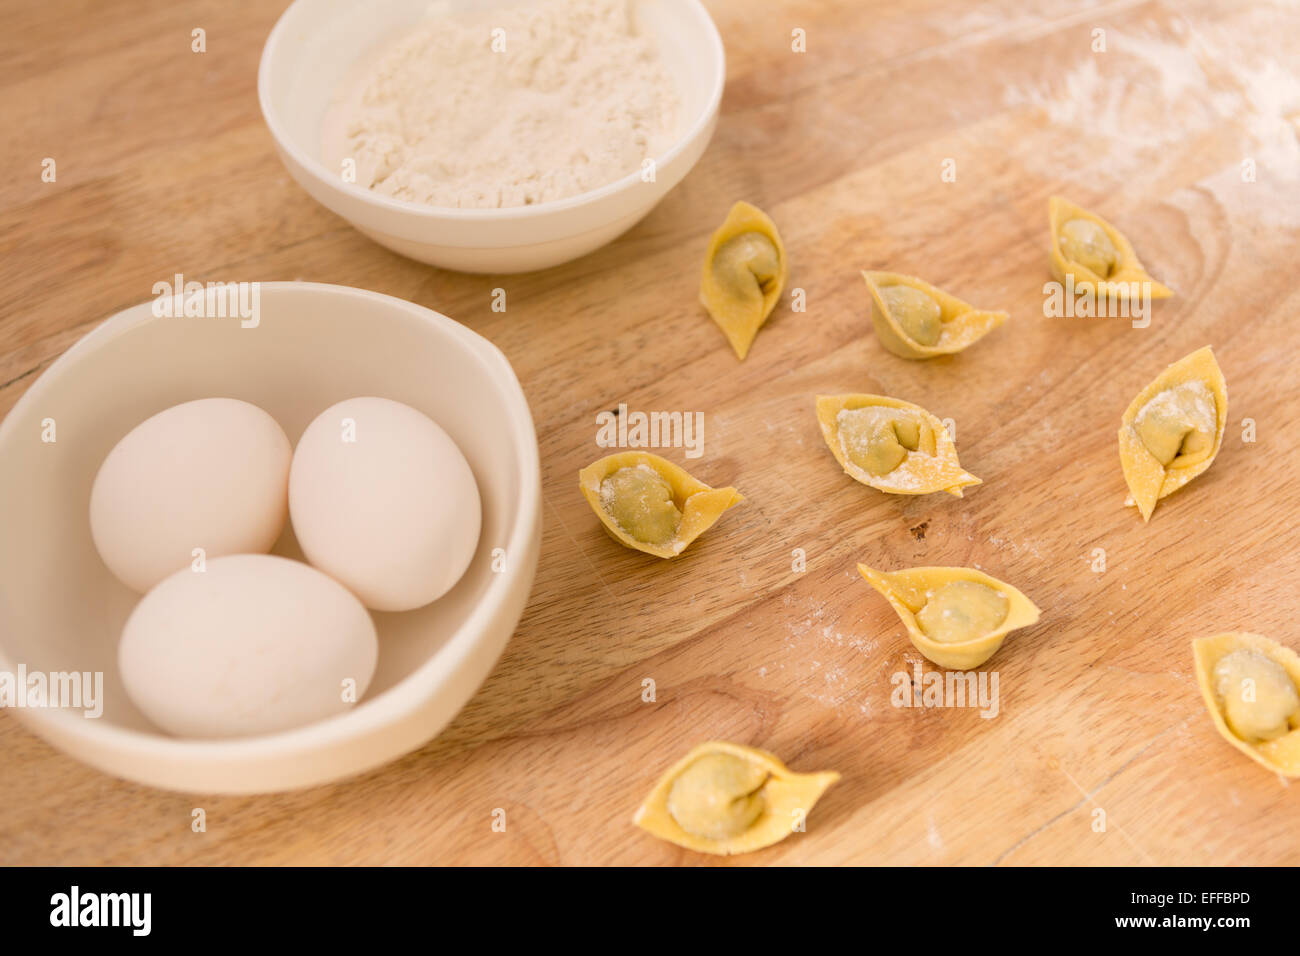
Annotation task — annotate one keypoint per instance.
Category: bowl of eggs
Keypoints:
(287, 544)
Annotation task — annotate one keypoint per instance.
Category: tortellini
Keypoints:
(915, 320)
(744, 274)
(1095, 253)
(1251, 686)
(956, 617)
(724, 798)
(891, 445)
(648, 503)
(1172, 430)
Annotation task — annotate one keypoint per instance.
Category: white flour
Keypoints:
(505, 107)
(1161, 85)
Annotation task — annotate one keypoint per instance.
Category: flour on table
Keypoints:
(505, 107)
(1157, 88)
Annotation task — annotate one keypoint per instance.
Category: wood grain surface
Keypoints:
(164, 166)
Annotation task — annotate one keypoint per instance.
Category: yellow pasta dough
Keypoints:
(891, 445)
(1172, 431)
(1096, 254)
(916, 320)
(648, 503)
(744, 273)
(725, 798)
(1251, 686)
(956, 617)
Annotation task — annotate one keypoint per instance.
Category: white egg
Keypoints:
(383, 501)
(253, 645)
(210, 474)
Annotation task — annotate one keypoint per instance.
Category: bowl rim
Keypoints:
(409, 694)
(312, 164)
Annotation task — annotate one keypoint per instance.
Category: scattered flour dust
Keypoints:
(932, 833)
(507, 106)
(1159, 85)
(812, 648)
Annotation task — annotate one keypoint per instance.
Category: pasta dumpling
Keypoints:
(891, 445)
(1251, 686)
(725, 798)
(744, 274)
(648, 503)
(1095, 254)
(916, 320)
(1172, 430)
(956, 617)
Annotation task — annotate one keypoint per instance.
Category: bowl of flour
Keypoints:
(499, 136)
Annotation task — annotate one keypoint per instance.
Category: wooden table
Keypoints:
(163, 166)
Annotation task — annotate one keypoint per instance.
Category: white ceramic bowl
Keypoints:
(315, 43)
(61, 609)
